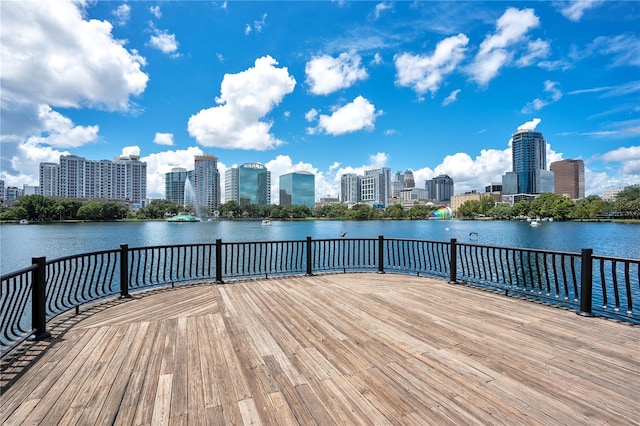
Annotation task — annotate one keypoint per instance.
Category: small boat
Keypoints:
(266, 222)
(183, 217)
(24, 222)
(535, 222)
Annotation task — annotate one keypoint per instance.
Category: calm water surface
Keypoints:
(19, 243)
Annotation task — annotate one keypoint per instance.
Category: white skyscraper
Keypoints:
(50, 179)
(350, 188)
(124, 179)
(375, 187)
(206, 183)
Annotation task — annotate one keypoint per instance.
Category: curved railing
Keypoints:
(34, 295)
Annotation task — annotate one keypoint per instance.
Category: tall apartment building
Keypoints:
(2, 194)
(568, 178)
(350, 188)
(375, 187)
(124, 179)
(529, 174)
(440, 188)
(249, 183)
(176, 185)
(298, 188)
(206, 183)
(49, 178)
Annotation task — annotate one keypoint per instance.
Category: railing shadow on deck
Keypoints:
(591, 284)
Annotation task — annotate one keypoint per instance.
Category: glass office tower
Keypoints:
(298, 188)
(248, 184)
(529, 164)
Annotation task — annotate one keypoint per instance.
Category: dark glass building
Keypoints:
(298, 188)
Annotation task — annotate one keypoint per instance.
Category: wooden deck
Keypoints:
(330, 349)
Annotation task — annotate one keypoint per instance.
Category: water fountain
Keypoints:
(189, 202)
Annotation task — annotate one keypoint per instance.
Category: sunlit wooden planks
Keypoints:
(348, 348)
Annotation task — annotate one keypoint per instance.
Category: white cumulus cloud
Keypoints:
(425, 73)
(164, 42)
(245, 99)
(497, 50)
(530, 125)
(326, 74)
(122, 14)
(163, 139)
(360, 114)
(64, 60)
(161, 163)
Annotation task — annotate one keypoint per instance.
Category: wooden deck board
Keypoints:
(330, 349)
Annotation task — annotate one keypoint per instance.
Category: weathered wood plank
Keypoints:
(329, 349)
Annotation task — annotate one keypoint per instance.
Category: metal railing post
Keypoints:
(381, 254)
(453, 262)
(124, 271)
(219, 262)
(586, 283)
(39, 298)
(309, 258)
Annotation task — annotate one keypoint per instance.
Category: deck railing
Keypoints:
(583, 281)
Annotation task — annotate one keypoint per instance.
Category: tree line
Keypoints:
(558, 207)
(41, 208)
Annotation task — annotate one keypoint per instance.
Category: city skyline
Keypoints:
(328, 88)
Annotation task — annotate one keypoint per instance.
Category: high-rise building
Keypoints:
(529, 174)
(206, 183)
(248, 184)
(375, 187)
(568, 178)
(177, 183)
(440, 188)
(232, 185)
(72, 176)
(350, 188)
(131, 180)
(406, 178)
(50, 179)
(298, 188)
(2, 194)
(124, 179)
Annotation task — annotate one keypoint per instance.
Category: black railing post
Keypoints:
(39, 298)
(124, 271)
(309, 258)
(381, 254)
(219, 262)
(586, 283)
(453, 262)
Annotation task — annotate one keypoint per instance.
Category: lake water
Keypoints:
(19, 243)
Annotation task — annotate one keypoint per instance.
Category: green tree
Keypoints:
(338, 211)
(419, 211)
(521, 208)
(39, 207)
(68, 208)
(14, 213)
(90, 210)
(359, 212)
(500, 211)
(230, 210)
(158, 209)
(629, 193)
(470, 208)
(486, 203)
(395, 211)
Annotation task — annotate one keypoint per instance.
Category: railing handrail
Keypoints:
(57, 285)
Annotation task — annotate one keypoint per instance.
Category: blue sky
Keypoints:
(327, 87)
